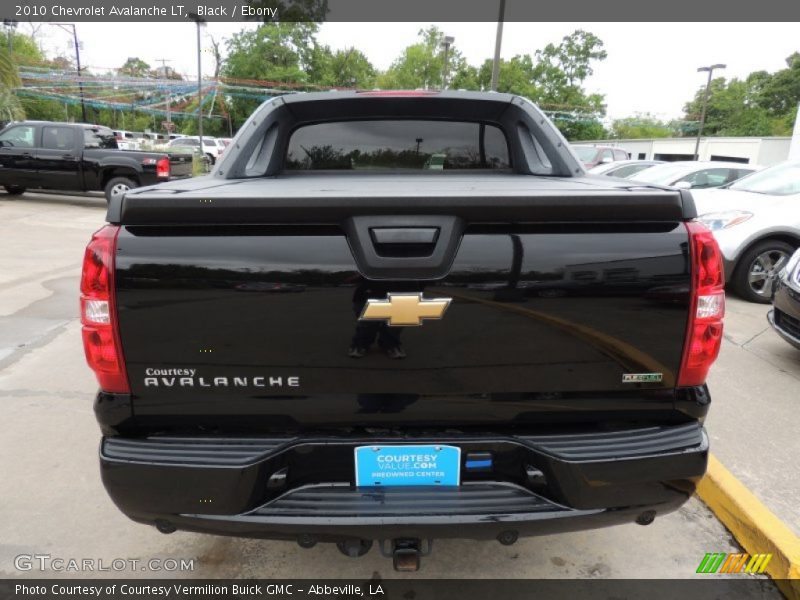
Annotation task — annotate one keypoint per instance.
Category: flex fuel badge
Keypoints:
(642, 377)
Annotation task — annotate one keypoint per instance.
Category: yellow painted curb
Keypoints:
(754, 526)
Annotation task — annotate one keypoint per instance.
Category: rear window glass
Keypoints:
(99, 138)
(385, 144)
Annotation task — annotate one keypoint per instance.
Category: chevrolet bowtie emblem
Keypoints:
(404, 310)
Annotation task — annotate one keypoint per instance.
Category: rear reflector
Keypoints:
(706, 307)
(98, 313)
(162, 168)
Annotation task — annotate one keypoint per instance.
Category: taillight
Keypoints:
(706, 307)
(162, 168)
(98, 312)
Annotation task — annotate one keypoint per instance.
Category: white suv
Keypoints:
(212, 147)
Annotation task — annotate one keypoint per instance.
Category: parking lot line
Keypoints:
(753, 525)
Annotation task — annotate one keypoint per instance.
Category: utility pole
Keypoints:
(199, 21)
(710, 70)
(164, 62)
(446, 43)
(498, 41)
(67, 27)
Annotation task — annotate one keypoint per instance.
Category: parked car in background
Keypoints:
(694, 174)
(623, 168)
(756, 222)
(79, 157)
(591, 156)
(155, 138)
(212, 148)
(128, 140)
(785, 314)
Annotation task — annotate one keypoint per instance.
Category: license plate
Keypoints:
(383, 465)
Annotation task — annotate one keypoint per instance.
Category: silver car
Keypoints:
(623, 168)
(693, 174)
(756, 222)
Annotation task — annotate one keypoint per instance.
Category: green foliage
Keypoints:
(199, 164)
(570, 62)
(780, 93)
(576, 130)
(642, 126)
(553, 78)
(25, 51)
(9, 77)
(42, 110)
(135, 67)
(277, 52)
(286, 54)
(515, 76)
(421, 65)
(343, 68)
(10, 107)
(762, 104)
(281, 53)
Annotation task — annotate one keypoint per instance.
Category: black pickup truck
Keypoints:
(401, 316)
(79, 157)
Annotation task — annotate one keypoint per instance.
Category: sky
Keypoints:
(651, 67)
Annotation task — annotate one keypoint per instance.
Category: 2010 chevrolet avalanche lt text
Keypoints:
(401, 316)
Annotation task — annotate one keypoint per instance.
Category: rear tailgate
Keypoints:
(242, 298)
(180, 165)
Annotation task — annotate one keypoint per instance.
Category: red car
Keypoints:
(591, 156)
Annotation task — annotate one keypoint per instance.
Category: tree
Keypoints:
(780, 93)
(343, 68)
(25, 51)
(62, 63)
(761, 104)
(641, 126)
(277, 52)
(421, 65)
(570, 62)
(515, 76)
(733, 108)
(553, 78)
(280, 53)
(10, 107)
(135, 67)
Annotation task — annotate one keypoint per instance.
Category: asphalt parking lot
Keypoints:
(54, 503)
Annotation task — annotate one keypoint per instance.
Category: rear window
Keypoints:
(585, 153)
(99, 138)
(385, 144)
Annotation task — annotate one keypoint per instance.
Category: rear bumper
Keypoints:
(785, 326)
(283, 488)
(785, 315)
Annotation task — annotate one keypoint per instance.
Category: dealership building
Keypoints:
(763, 151)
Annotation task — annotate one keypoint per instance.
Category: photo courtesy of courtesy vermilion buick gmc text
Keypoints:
(401, 316)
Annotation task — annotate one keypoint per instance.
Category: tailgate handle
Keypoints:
(404, 247)
(404, 235)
